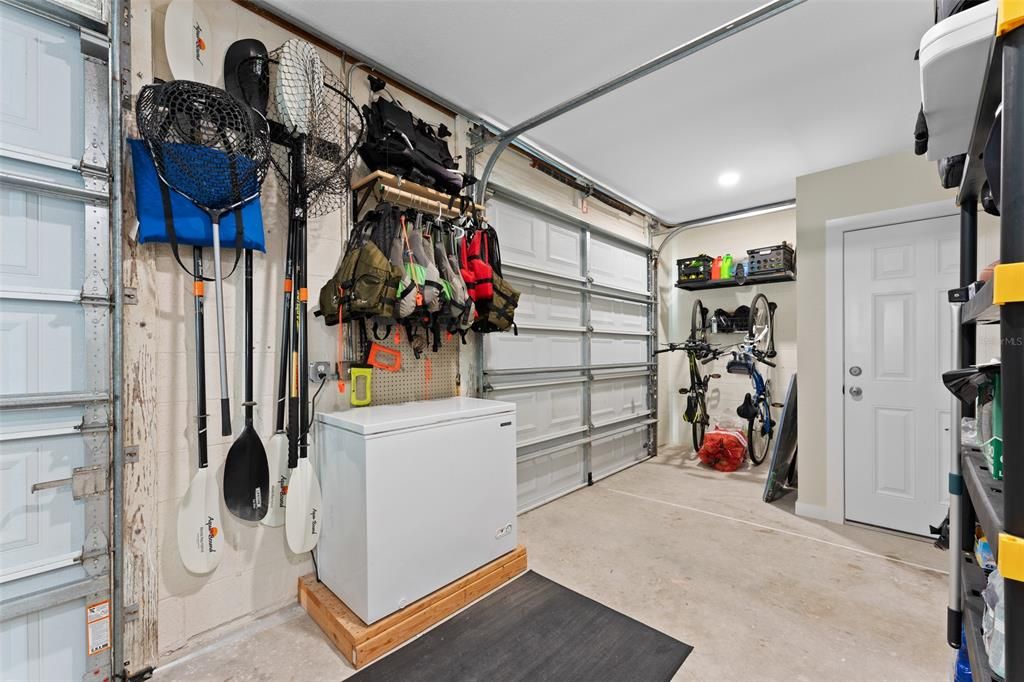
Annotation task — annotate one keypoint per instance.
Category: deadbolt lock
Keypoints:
(855, 371)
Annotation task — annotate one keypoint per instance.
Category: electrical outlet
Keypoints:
(319, 370)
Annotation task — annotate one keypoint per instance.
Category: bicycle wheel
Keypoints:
(759, 329)
(698, 322)
(759, 434)
(699, 424)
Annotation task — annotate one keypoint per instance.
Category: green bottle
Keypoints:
(727, 266)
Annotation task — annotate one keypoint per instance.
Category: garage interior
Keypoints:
(443, 340)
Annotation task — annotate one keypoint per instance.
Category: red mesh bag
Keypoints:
(724, 449)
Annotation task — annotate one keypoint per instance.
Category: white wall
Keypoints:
(727, 393)
(890, 182)
(258, 573)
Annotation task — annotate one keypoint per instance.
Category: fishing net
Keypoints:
(308, 100)
(205, 144)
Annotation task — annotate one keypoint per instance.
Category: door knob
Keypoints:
(856, 391)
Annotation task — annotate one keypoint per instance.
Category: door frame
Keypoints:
(835, 424)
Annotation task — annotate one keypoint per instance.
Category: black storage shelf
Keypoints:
(973, 580)
(980, 309)
(986, 495)
(748, 282)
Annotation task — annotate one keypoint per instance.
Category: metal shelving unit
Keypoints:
(753, 280)
(997, 506)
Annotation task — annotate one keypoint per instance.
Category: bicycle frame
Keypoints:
(762, 394)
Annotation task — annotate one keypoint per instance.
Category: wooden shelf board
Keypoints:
(421, 191)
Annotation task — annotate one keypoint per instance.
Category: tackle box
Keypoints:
(771, 259)
(695, 268)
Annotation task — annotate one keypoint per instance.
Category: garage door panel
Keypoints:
(615, 452)
(533, 349)
(42, 241)
(44, 645)
(43, 528)
(608, 314)
(563, 252)
(614, 400)
(532, 241)
(608, 302)
(542, 477)
(41, 347)
(546, 305)
(616, 267)
(614, 349)
(53, 340)
(544, 413)
(42, 102)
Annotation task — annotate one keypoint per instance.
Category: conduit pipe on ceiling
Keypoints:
(505, 138)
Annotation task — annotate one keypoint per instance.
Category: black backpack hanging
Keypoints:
(401, 144)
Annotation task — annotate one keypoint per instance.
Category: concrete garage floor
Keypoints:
(760, 593)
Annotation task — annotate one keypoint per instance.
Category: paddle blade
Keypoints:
(200, 540)
(277, 455)
(247, 477)
(302, 516)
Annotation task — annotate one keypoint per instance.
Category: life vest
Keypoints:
(477, 272)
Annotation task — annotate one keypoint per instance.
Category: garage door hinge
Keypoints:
(88, 481)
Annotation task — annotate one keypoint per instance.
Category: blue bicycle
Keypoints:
(757, 347)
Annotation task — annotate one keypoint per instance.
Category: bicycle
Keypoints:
(757, 347)
(699, 352)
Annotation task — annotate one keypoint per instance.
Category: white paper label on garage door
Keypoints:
(97, 625)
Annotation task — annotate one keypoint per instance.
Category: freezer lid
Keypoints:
(383, 418)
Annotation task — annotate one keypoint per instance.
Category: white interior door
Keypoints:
(896, 346)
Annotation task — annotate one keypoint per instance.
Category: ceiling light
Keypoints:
(729, 179)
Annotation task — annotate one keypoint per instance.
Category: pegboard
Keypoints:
(429, 377)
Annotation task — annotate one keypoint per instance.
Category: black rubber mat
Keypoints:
(534, 629)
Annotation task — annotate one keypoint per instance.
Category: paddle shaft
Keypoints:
(248, 338)
(303, 335)
(296, 218)
(222, 360)
(197, 294)
(286, 323)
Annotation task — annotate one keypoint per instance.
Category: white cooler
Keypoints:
(414, 496)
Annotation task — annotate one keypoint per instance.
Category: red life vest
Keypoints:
(476, 271)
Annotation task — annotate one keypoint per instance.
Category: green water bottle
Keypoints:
(727, 266)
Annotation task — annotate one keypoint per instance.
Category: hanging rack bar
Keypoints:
(412, 195)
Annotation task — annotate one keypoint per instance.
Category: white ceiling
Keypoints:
(828, 83)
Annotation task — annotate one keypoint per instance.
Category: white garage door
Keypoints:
(579, 371)
(55, 316)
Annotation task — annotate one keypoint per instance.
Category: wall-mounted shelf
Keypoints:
(410, 194)
(753, 280)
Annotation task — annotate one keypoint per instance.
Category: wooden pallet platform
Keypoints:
(361, 643)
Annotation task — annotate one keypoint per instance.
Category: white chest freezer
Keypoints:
(414, 496)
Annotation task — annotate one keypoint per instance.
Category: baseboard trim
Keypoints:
(815, 511)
